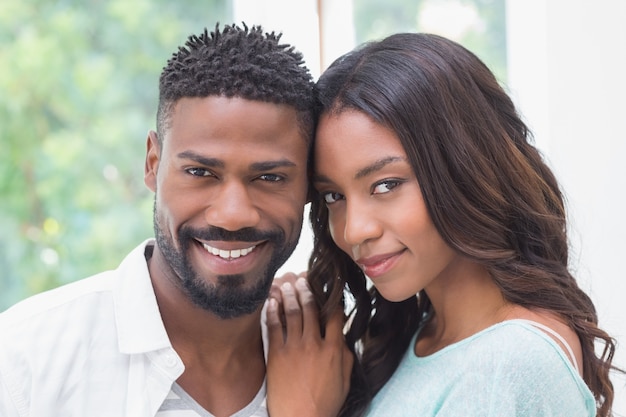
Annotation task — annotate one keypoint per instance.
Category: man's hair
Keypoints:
(237, 62)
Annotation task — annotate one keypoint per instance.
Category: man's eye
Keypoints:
(385, 186)
(272, 177)
(332, 197)
(198, 172)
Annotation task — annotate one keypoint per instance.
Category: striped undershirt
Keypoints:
(180, 404)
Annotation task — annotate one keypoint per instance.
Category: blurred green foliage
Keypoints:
(78, 94)
(479, 25)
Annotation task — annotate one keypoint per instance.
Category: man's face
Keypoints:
(230, 187)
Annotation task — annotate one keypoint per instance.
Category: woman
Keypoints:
(449, 231)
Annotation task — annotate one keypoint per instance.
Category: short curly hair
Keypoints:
(237, 62)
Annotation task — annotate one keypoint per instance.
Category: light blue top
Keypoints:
(509, 369)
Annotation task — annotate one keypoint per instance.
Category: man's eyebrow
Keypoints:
(377, 165)
(203, 160)
(270, 165)
(218, 163)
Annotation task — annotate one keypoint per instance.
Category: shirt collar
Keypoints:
(137, 315)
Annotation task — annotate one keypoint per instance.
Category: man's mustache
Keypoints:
(248, 234)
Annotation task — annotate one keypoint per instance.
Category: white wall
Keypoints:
(296, 20)
(567, 71)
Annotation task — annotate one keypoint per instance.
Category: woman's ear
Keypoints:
(153, 152)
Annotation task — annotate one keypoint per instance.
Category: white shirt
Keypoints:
(96, 347)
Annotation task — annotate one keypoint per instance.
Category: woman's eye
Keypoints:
(198, 172)
(330, 198)
(385, 186)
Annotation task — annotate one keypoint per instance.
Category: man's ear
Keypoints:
(153, 151)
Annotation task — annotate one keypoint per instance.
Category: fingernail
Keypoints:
(301, 284)
(272, 305)
(286, 286)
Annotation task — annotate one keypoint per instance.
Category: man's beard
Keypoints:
(228, 298)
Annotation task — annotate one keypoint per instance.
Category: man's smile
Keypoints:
(228, 254)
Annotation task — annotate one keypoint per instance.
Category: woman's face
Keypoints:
(377, 214)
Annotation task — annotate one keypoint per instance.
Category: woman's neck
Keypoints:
(465, 300)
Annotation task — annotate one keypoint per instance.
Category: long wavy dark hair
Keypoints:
(486, 187)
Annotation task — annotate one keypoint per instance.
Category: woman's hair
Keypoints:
(488, 191)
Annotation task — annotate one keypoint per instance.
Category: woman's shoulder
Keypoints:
(518, 339)
(511, 368)
(521, 348)
(547, 324)
(524, 356)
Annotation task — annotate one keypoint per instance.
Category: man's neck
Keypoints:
(194, 327)
(223, 358)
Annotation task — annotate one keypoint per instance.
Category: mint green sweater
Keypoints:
(511, 369)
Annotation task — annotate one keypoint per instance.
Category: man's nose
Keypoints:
(232, 208)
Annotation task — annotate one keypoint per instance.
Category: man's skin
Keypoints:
(237, 165)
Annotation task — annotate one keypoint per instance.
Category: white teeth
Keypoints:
(228, 254)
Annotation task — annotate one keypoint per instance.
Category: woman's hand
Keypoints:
(307, 374)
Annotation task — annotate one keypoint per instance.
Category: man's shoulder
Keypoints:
(79, 296)
(67, 296)
(57, 329)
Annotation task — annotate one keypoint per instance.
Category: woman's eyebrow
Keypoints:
(320, 179)
(377, 165)
(373, 167)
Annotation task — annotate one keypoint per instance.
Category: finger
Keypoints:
(276, 293)
(286, 277)
(292, 311)
(275, 330)
(348, 363)
(310, 312)
(278, 281)
(334, 327)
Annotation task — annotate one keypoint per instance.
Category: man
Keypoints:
(174, 331)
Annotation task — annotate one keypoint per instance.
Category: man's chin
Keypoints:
(233, 282)
(227, 300)
(229, 311)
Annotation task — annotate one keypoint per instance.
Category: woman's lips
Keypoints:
(375, 266)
